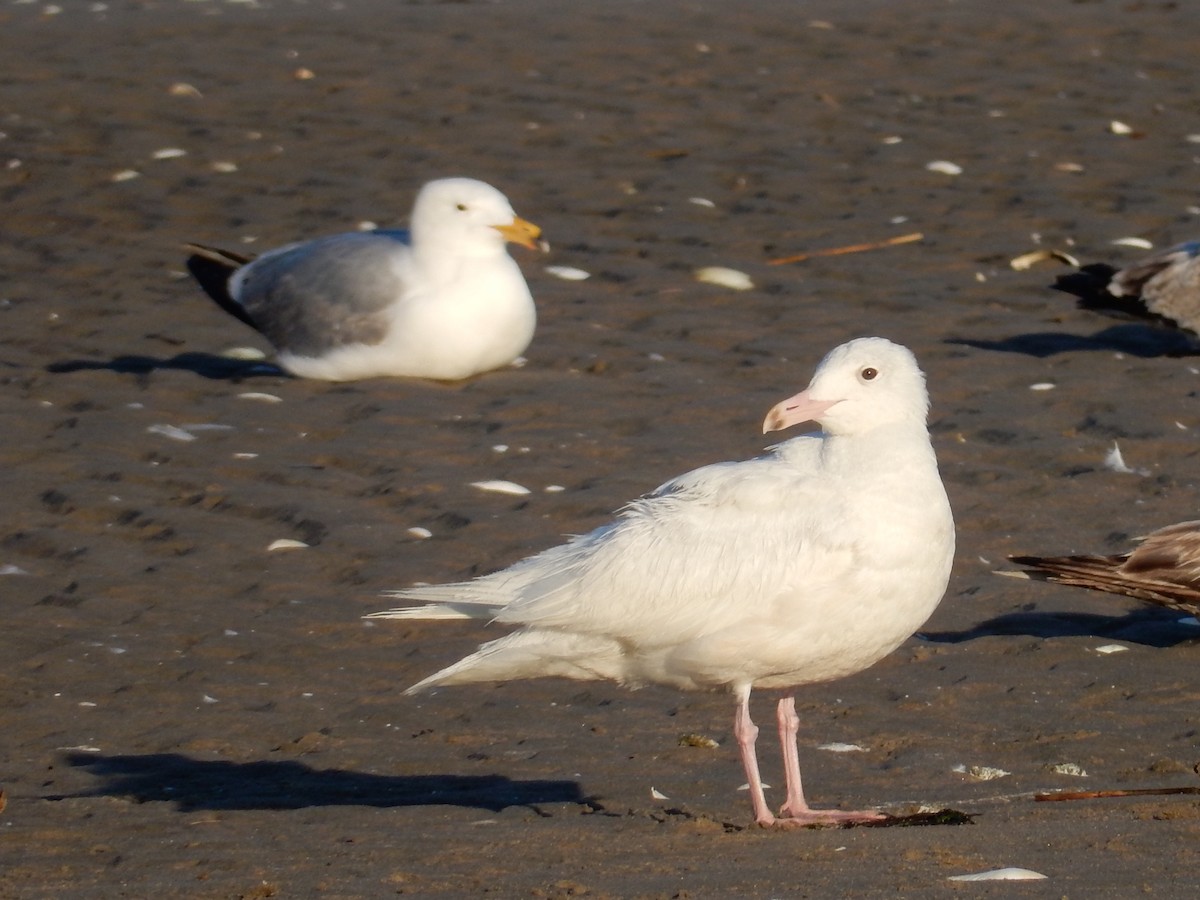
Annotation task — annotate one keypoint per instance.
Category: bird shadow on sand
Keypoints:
(1149, 627)
(206, 365)
(194, 784)
(1145, 341)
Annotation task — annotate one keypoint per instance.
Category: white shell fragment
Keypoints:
(168, 153)
(258, 395)
(171, 431)
(247, 353)
(1010, 873)
(419, 533)
(286, 544)
(980, 773)
(1111, 648)
(1119, 127)
(183, 89)
(702, 201)
(656, 794)
(944, 167)
(1139, 243)
(126, 175)
(987, 773)
(838, 747)
(568, 273)
(1069, 769)
(501, 487)
(1027, 260)
(730, 278)
(1043, 386)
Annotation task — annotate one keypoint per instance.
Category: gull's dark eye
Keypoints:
(462, 207)
(868, 374)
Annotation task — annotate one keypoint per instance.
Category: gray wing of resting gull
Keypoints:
(1163, 287)
(329, 292)
(441, 300)
(803, 565)
(1163, 569)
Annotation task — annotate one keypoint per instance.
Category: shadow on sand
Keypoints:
(194, 784)
(1144, 341)
(204, 364)
(1153, 628)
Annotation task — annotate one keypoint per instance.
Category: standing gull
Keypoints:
(443, 300)
(1163, 569)
(804, 565)
(1163, 287)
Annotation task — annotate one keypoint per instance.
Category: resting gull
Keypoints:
(1163, 287)
(443, 300)
(804, 565)
(1164, 569)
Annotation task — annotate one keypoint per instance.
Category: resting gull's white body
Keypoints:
(443, 300)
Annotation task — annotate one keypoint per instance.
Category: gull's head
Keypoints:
(859, 386)
(469, 215)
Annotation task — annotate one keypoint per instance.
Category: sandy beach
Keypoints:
(188, 713)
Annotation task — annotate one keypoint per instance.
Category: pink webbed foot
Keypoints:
(795, 812)
(811, 818)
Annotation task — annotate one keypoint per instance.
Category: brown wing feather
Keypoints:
(1164, 569)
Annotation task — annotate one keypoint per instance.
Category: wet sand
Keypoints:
(189, 714)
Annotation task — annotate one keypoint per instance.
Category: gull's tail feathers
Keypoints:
(535, 654)
(463, 600)
(438, 611)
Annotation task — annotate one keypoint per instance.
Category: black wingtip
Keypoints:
(1088, 283)
(1090, 286)
(211, 268)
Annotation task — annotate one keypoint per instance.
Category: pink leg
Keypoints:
(789, 726)
(795, 809)
(746, 732)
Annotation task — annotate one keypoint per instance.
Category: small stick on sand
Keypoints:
(1095, 795)
(853, 248)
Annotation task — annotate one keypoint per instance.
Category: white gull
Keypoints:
(804, 565)
(443, 300)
